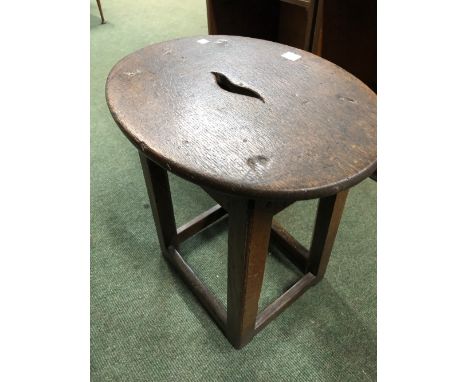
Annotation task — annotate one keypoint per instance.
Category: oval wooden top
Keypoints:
(246, 116)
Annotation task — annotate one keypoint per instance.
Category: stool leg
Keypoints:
(249, 234)
(159, 192)
(327, 221)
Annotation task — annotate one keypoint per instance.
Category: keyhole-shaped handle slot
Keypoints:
(226, 84)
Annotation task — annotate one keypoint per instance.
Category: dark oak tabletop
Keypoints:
(244, 116)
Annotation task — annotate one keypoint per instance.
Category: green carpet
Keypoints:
(145, 324)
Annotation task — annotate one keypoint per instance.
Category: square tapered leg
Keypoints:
(249, 236)
(327, 221)
(159, 193)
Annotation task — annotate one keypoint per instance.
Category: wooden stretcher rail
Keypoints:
(293, 250)
(209, 301)
(286, 299)
(200, 223)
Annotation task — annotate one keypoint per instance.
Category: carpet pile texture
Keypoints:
(145, 324)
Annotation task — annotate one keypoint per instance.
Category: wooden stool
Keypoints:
(258, 125)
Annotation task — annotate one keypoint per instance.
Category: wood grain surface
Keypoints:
(233, 114)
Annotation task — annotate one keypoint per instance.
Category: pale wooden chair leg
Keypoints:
(100, 11)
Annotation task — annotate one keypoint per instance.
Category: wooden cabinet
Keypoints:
(342, 31)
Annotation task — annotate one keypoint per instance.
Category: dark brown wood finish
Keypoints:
(200, 223)
(250, 224)
(346, 34)
(303, 139)
(342, 31)
(234, 116)
(249, 235)
(295, 23)
(327, 221)
(157, 184)
(208, 300)
(286, 299)
(159, 193)
(253, 18)
(294, 250)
